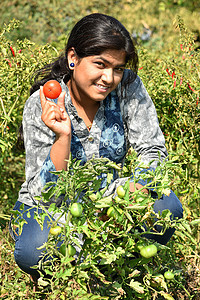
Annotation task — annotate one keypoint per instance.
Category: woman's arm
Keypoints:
(56, 119)
(140, 117)
(143, 131)
(45, 152)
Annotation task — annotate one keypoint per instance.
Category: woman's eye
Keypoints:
(99, 63)
(119, 69)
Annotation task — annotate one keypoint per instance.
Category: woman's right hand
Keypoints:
(55, 116)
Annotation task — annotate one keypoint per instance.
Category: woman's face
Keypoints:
(94, 77)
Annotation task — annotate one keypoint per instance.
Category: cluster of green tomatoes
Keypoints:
(76, 210)
(146, 251)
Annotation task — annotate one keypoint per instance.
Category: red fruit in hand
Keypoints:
(52, 89)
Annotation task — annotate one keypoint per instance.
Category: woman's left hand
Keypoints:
(138, 186)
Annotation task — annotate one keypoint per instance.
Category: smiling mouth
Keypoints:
(102, 87)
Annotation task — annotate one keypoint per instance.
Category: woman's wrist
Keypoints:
(63, 138)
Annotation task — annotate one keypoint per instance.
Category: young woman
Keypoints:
(103, 109)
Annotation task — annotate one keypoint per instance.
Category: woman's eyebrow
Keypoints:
(108, 62)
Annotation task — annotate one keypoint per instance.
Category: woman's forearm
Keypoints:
(60, 152)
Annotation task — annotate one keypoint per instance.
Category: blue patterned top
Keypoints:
(127, 117)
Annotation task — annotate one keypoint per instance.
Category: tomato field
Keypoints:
(115, 261)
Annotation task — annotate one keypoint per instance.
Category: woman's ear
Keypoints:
(72, 58)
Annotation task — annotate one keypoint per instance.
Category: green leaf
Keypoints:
(65, 273)
(21, 224)
(135, 273)
(136, 206)
(109, 178)
(83, 274)
(104, 202)
(167, 296)
(129, 216)
(137, 286)
(195, 222)
(166, 213)
(43, 282)
(186, 225)
(107, 259)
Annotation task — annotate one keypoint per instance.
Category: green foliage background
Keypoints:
(169, 68)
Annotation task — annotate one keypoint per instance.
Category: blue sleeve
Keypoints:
(45, 172)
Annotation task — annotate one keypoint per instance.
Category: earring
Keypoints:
(72, 65)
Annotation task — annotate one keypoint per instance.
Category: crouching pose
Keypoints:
(102, 111)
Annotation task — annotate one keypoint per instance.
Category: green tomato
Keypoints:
(71, 250)
(120, 191)
(63, 249)
(111, 212)
(3, 291)
(76, 209)
(140, 245)
(55, 230)
(148, 251)
(169, 275)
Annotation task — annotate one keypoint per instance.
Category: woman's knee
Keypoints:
(26, 260)
(173, 204)
(26, 251)
(28, 241)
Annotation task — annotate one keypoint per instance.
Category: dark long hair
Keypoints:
(92, 35)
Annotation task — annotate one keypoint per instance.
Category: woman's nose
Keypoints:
(107, 76)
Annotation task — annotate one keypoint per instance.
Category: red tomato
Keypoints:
(52, 89)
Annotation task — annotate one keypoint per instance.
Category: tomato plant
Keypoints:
(52, 89)
(169, 275)
(148, 251)
(76, 209)
(175, 93)
(120, 191)
(55, 230)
